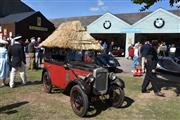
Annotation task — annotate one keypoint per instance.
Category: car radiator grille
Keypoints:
(101, 81)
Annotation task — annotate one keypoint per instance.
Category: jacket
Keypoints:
(16, 55)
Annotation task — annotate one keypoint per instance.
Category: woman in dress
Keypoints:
(4, 67)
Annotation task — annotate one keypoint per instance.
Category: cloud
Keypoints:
(100, 6)
(94, 9)
(100, 3)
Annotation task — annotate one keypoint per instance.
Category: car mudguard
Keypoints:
(118, 82)
(76, 82)
(44, 70)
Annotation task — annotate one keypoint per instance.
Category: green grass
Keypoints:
(30, 102)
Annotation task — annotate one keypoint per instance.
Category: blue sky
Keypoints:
(72, 8)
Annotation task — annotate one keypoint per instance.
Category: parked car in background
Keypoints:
(117, 51)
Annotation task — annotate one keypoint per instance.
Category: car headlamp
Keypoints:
(90, 78)
(112, 76)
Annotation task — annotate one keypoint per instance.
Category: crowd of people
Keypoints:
(138, 52)
(146, 57)
(107, 48)
(13, 54)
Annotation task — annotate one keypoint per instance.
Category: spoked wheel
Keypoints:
(116, 94)
(47, 83)
(79, 101)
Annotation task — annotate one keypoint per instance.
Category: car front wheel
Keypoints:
(79, 101)
(116, 94)
(47, 82)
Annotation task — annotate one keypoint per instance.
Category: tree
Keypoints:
(149, 3)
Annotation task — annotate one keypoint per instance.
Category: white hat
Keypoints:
(33, 40)
(17, 38)
(3, 41)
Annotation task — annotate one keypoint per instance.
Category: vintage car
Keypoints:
(78, 75)
(117, 51)
(170, 64)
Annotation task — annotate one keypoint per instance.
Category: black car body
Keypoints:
(170, 64)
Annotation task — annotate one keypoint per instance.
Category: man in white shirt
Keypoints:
(172, 51)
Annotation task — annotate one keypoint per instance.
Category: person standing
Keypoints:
(17, 60)
(31, 53)
(111, 48)
(105, 47)
(144, 52)
(39, 52)
(135, 61)
(131, 52)
(150, 65)
(4, 66)
(172, 51)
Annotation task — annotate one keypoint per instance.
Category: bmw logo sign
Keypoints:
(159, 23)
(107, 24)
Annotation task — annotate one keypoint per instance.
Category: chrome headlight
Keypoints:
(90, 78)
(112, 76)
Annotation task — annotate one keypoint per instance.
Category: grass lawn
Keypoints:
(31, 103)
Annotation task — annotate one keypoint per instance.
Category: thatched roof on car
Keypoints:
(71, 35)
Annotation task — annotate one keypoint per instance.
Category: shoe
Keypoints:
(145, 91)
(24, 83)
(13, 86)
(159, 94)
(2, 85)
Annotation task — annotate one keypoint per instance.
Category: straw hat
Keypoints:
(3, 41)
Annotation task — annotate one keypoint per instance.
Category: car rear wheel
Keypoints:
(47, 83)
(116, 94)
(79, 101)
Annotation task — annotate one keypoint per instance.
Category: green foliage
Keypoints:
(149, 3)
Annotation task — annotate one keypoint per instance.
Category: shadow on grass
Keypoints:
(169, 81)
(34, 82)
(127, 102)
(99, 106)
(8, 109)
(57, 90)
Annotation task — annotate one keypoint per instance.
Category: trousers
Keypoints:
(150, 77)
(31, 61)
(143, 59)
(22, 73)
